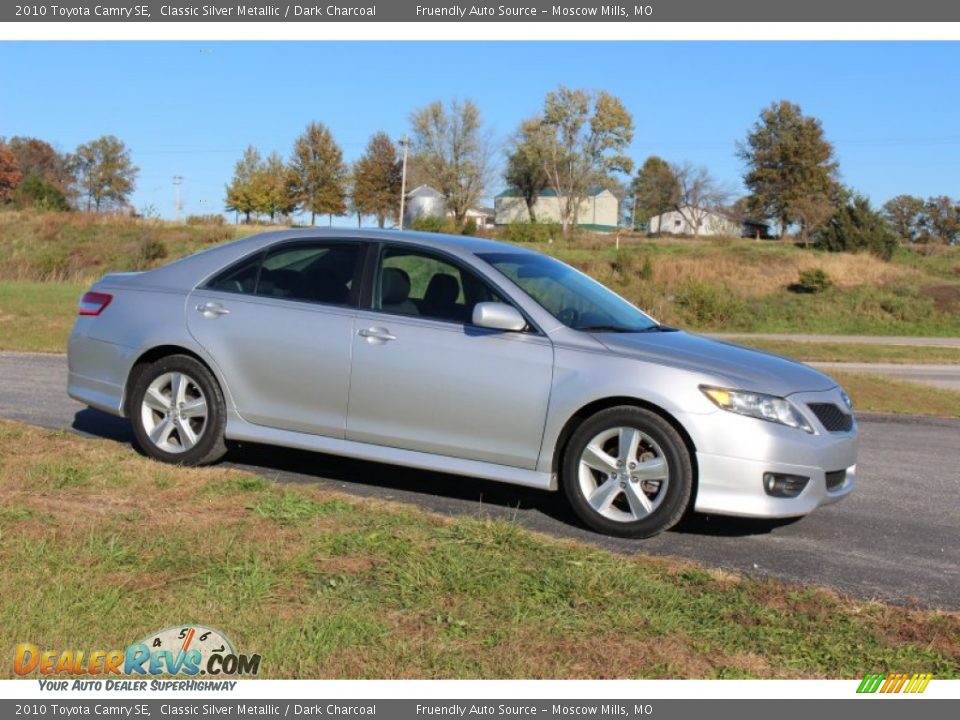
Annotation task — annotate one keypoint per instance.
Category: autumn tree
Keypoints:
(241, 192)
(791, 169)
(319, 180)
(106, 174)
(655, 190)
(905, 213)
(40, 160)
(698, 194)
(451, 148)
(274, 188)
(10, 173)
(377, 180)
(584, 138)
(525, 170)
(941, 219)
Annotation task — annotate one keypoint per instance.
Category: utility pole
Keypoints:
(177, 181)
(405, 143)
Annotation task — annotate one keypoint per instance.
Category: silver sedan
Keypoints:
(459, 355)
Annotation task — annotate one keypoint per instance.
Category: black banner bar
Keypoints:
(534, 11)
(200, 707)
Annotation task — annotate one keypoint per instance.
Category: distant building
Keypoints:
(712, 223)
(599, 210)
(423, 201)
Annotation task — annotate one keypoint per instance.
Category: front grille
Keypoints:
(835, 479)
(832, 417)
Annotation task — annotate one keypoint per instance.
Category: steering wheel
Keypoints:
(568, 316)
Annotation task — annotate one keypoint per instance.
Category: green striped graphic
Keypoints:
(871, 683)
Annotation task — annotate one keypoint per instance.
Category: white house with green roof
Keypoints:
(599, 210)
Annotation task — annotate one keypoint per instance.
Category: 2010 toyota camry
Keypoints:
(459, 355)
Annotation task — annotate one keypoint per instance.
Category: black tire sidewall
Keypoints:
(211, 445)
(678, 491)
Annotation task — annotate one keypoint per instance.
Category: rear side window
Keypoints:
(241, 278)
(320, 272)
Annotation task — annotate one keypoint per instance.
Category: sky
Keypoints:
(891, 109)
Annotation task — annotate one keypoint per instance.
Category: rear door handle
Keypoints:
(377, 333)
(212, 309)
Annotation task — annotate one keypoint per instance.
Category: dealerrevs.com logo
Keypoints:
(191, 650)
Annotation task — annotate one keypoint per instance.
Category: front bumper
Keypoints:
(734, 453)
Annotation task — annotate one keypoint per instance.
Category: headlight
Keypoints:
(757, 405)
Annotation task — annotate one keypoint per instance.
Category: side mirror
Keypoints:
(498, 316)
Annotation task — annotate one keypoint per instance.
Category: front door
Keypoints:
(424, 378)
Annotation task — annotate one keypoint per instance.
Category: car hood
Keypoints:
(741, 368)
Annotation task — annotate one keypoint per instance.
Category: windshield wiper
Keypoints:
(608, 328)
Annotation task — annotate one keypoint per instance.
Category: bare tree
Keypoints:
(452, 148)
(699, 195)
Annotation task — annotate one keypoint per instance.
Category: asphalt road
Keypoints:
(941, 376)
(953, 342)
(895, 538)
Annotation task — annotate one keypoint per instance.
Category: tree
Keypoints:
(583, 137)
(699, 194)
(38, 159)
(274, 188)
(525, 165)
(454, 152)
(377, 180)
(34, 192)
(905, 213)
(790, 165)
(655, 190)
(241, 192)
(10, 174)
(319, 173)
(106, 172)
(941, 219)
(857, 226)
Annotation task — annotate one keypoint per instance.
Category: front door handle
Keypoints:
(375, 334)
(212, 309)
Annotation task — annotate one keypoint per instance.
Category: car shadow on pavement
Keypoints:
(440, 492)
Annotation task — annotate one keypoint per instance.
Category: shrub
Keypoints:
(35, 193)
(704, 304)
(148, 250)
(856, 226)
(205, 220)
(813, 280)
(469, 227)
(531, 232)
(432, 223)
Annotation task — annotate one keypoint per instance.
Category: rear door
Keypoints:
(280, 327)
(425, 378)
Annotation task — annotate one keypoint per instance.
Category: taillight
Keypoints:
(94, 303)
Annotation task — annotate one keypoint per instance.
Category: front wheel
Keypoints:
(627, 472)
(177, 411)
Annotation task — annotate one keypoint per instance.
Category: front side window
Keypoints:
(419, 284)
(574, 299)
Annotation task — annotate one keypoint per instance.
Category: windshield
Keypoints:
(570, 296)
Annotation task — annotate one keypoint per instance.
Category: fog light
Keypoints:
(785, 486)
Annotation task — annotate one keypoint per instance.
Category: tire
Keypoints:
(605, 491)
(187, 432)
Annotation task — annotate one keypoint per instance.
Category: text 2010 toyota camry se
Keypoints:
(459, 355)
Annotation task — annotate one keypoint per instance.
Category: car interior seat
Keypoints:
(395, 292)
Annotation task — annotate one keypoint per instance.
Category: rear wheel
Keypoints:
(177, 412)
(627, 472)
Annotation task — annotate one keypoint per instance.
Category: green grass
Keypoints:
(37, 316)
(897, 397)
(326, 585)
(854, 352)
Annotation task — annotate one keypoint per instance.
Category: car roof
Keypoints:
(191, 270)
